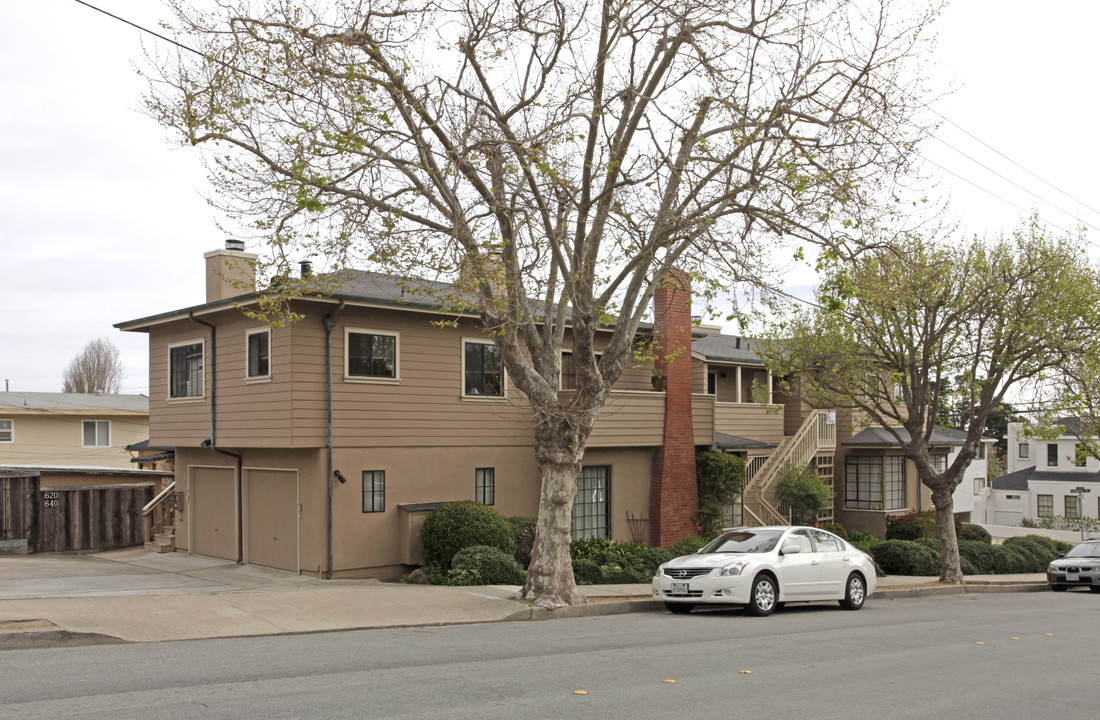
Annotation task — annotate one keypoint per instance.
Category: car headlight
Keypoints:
(1051, 568)
(732, 569)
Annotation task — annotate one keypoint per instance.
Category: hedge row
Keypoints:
(1027, 554)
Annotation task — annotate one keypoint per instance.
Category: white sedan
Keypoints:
(762, 567)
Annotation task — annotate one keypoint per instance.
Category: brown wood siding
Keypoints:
(756, 422)
(702, 414)
(630, 419)
(176, 422)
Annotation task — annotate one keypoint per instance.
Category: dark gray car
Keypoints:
(1080, 567)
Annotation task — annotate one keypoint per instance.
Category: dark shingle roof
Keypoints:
(1014, 481)
(881, 437)
(726, 348)
(1019, 480)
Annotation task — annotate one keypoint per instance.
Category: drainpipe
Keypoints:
(329, 322)
(212, 442)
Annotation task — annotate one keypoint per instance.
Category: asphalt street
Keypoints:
(1016, 655)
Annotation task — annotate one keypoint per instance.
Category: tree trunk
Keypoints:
(950, 566)
(559, 449)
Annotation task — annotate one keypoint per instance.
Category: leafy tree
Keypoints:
(892, 326)
(551, 158)
(95, 369)
(805, 493)
(721, 478)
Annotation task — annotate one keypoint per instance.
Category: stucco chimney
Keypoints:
(673, 492)
(230, 272)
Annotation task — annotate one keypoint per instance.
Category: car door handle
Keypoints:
(815, 562)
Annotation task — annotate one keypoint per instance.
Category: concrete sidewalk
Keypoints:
(137, 596)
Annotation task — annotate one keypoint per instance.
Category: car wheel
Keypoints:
(855, 592)
(1059, 588)
(1094, 588)
(762, 597)
(680, 608)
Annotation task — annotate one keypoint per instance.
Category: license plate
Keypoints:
(680, 588)
(1073, 577)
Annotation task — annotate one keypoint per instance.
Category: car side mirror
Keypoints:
(791, 547)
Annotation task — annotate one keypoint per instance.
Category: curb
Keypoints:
(939, 590)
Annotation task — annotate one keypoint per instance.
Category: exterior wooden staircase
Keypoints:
(159, 521)
(817, 435)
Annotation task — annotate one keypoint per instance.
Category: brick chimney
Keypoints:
(230, 272)
(673, 493)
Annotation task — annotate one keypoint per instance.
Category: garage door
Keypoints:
(271, 518)
(214, 512)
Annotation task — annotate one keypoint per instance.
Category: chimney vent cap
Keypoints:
(231, 244)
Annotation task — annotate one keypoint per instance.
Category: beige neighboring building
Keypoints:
(71, 429)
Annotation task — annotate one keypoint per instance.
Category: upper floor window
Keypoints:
(939, 463)
(981, 451)
(97, 433)
(371, 354)
(482, 369)
(1052, 454)
(259, 353)
(185, 370)
(712, 382)
(7, 431)
(1080, 455)
(1025, 450)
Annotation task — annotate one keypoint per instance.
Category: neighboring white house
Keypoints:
(1041, 475)
(71, 429)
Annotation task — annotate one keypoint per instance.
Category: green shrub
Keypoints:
(899, 557)
(917, 525)
(835, 528)
(1057, 547)
(930, 543)
(523, 533)
(1014, 559)
(804, 492)
(687, 545)
(586, 572)
(967, 567)
(484, 565)
(975, 532)
(863, 539)
(720, 478)
(1041, 552)
(457, 525)
(981, 556)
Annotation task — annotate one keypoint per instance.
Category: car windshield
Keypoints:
(744, 541)
(1085, 549)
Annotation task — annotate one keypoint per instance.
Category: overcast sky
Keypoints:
(101, 220)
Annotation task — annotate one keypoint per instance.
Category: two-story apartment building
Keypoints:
(71, 429)
(1041, 477)
(319, 446)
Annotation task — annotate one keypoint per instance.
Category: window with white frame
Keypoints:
(1072, 508)
(1025, 450)
(591, 505)
(374, 491)
(874, 482)
(939, 463)
(485, 486)
(7, 431)
(96, 433)
(371, 354)
(1080, 455)
(1044, 505)
(259, 353)
(185, 370)
(981, 451)
(482, 369)
(1052, 454)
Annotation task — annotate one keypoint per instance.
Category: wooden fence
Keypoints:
(61, 519)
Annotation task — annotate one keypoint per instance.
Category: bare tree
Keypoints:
(95, 369)
(905, 332)
(553, 158)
